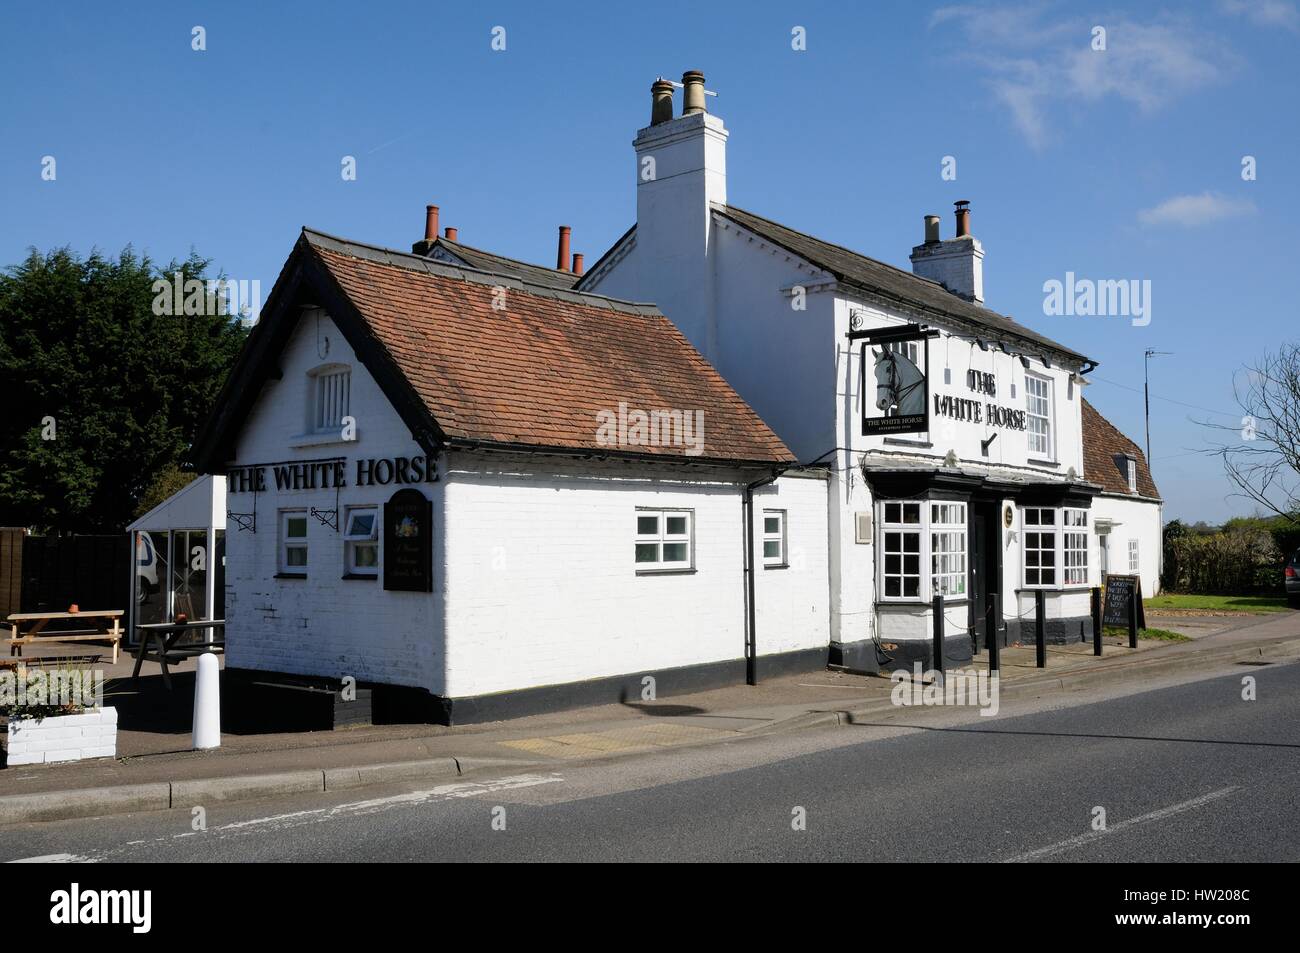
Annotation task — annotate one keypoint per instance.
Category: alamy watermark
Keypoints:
(1107, 297)
(38, 691)
(655, 428)
(179, 295)
(929, 688)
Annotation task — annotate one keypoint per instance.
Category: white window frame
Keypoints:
(1134, 557)
(1048, 451)
(780, 560)
(1074, 547)
(1131, 466)
(661, 537)
(1068, 551)
(329, 398)
(288, 543)
(1034, 528)
(895, 530)
(354, 540)
(948, 548)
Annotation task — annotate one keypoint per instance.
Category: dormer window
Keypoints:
(330, 392)
(1131, 471)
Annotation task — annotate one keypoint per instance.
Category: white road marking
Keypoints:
(443, 792)
(1070, 844)
(51, 859)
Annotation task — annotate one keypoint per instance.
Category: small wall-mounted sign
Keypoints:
(408, 538)
(1008, 516)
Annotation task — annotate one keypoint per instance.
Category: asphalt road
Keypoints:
(1186, 773)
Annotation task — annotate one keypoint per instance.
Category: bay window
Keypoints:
(919, 534)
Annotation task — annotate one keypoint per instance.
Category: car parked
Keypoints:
(1292, 577)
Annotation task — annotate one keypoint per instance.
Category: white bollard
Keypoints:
(207, 703)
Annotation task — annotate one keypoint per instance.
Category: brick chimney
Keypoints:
(425, 245)
(958, 263)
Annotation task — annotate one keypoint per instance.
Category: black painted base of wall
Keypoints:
(315, 699)
(905, 654)
(856, 656)
(1055, 631)
(254, 702)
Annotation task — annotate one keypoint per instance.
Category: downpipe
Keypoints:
(747, 518)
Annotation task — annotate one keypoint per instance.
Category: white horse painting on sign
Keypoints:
(900, 384)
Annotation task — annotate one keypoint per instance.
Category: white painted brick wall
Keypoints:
(92, 734)
(542, 583)
(324, 625)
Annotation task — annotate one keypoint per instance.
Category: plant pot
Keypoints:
(54, 738)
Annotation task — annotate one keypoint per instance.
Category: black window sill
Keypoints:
(897, 442)
(776, 565)
(290, 575)
(666, 572)
(1043, 463)
(360, 575)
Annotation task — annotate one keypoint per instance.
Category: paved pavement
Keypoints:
(1184, 768)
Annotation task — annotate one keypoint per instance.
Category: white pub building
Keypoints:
(491, 487)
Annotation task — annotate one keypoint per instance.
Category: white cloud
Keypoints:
(1189, 211)
(1035, 60)
(1266, 13)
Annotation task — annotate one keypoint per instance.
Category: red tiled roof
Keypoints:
(1104, 449)
(537, 372)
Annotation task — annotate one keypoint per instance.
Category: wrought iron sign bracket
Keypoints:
(328, 518)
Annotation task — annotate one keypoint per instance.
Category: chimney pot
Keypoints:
(562, 255)
(963, 218)
(451, 233)
(577, 263)
(931, 229)
(430, 223)
(661, 101)
(693, 95)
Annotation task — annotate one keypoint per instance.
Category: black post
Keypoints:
(936, 608)
(1096, 620)
(1132, 619)
(1040, 627)
(992, 630)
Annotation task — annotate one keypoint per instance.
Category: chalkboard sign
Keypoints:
(408, 537)
(1119, 593)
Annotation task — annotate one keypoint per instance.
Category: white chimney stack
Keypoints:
(681, 172)
(958, 263)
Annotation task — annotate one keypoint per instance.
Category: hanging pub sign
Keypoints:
(408, 534)
(1123, 594)
(895, 391)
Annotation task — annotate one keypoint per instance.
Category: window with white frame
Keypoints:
(1131, 468)
(948, 548)
(1040, 546)
(664, 539)
(901, 550)
(774, 538)
(1038, 403)
(908, 349)
(1074, 546)
(293, 542)
(331, 398)
(1133, 555)
(361, 541)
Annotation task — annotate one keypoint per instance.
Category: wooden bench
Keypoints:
(26, 627)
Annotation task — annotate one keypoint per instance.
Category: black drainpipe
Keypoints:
(747, 514)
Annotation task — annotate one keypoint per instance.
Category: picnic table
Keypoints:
(25, 628)
(165, 639)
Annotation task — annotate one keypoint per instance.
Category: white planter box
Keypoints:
(92, 734)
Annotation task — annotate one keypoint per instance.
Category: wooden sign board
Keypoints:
(408, 537)
(1120, 591)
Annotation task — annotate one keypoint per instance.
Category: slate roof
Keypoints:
(1104, 449)
(876, 277)
(532, 376)
(501, 265)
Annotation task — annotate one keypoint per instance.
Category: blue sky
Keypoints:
(1116, 164)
